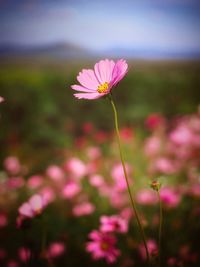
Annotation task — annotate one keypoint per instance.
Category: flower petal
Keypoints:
(119, 71)
(25, 210)
(36, 202)
(103, 70)
(81, 88)
(88, 95)
(88, 79)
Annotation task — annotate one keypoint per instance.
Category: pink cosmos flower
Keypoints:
(93, 152)
(82, 209)
(152, 146)
(96, 180)
(164, 165)
(170, 197)
(154, 121)
(24, 254)
(182, 135)
(12, 165)
(56, 249)
(126, 213)
(195, 190)
(127, 134)
(70, 190)
(100, 81)
(76, 168)
(1, 99)
(33, 207)
(55, 173)
(15, 182)
(152, 248)
(146, 197)
(117, 199)
(48, 195)
(102, 245)
(118, 175)
(35, 181)
(87, 127)
(113, 223)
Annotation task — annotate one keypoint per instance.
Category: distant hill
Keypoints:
(152, 53)
(71, 51)
(58, 50)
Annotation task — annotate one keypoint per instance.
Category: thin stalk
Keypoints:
(160, 229)
(126, 177)
(43, 243)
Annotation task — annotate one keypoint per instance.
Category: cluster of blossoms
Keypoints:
(171, 151)
(103, 241)
(32, 208)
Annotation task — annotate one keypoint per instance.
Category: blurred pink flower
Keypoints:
(102, 245)
(96, 180)
(146, 197)
(152, 248)
(71, 189)
(126, 213)
(24, 254)
(127, 134)
(55, 173)
(152, 146)
(101, 136)
(118, 175)
(113, 223)
(182, 135)
(3, 253)
(15, 182)
(117, 199)
(33, 207)
(164, 165)
(76, 168)
(170, 197)
(47, 194)
(88, 127)
(172, 262)
(83, 209)
(194, 190)
(93, 152)
(1, 99)
(35, 181)
(154, 120)
(3, 220)
(55, 249)
(12, 263)
(100, 81)
(12, 165)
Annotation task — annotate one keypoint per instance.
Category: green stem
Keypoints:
(43, 243)
(160, 229)
(126, 177)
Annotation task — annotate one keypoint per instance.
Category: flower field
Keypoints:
(63, 194)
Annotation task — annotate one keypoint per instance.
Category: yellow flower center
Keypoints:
(103, 88)
(104, 246)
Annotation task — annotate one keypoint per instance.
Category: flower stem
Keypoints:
(43, 244)
(160, 228)
(126, 177)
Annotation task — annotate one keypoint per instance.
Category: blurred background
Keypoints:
(45, 43)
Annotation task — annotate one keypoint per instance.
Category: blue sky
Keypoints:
(101, 25)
